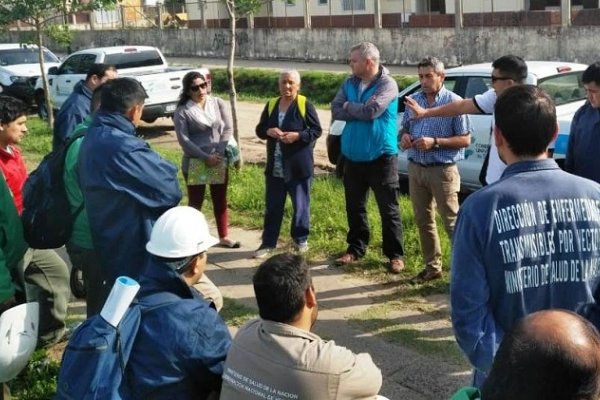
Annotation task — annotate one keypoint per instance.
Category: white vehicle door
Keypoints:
(71, 71)
(481, 124)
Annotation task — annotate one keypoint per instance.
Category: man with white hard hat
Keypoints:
(180, 348)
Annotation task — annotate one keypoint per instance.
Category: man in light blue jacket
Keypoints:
(368, 102)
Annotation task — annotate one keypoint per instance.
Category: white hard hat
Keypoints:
(18, 338)
(180, 232)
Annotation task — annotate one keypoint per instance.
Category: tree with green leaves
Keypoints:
(42, 14)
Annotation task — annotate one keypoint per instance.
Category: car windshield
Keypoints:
(134, 59)
(564, 88)
(24, 56)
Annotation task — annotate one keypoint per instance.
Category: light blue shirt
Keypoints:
(437, 127)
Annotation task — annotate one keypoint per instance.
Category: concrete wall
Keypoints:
(398, 46)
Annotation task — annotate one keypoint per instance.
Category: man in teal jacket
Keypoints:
(368, 102)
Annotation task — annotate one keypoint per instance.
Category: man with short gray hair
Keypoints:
(368, 103)
(434, 146)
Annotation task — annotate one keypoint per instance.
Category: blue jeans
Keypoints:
(276, 191)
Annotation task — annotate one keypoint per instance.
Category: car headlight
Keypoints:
(18, 79)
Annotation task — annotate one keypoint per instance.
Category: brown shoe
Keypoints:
(426, 275)
(346, 259)
(396, 265)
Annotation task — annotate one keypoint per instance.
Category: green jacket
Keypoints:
(81, 235)
(467, 393)
(12, 242)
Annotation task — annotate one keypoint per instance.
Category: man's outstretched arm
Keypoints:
(458, 107)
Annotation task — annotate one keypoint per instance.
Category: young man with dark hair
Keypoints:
(42, 274)
(507, 71)
(125, 184)
(278, 353)
(527, 242)
(80, 247)
(434, 146)
(584, 139)
(78, 104)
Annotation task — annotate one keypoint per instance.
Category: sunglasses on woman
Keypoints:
(195, 88)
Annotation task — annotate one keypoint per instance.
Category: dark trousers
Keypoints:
(97, 290)
(276, 191)
(218, 193)
(381, 176)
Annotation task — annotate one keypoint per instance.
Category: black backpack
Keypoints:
(47, 217)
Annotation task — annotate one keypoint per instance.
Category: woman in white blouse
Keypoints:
(203, 125)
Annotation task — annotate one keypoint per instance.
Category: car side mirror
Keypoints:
(53, 71)
(401, 105)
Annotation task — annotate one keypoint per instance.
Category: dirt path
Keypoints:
(254, 150)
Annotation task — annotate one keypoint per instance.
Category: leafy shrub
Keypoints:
(319, 87)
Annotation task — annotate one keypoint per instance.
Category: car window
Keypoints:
(24, 56)
(564, 88)
(476, 85)
(134, 59)
(77, 64)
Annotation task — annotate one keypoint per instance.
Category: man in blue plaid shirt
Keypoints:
(434, 145)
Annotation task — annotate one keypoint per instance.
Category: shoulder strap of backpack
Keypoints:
(68, 144)
(301, 105)
(271, 105)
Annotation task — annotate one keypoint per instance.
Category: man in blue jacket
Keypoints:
(528, 242)
(368, 102)
(180, 349)
(580, 159)
(126, 185)
(78, 104)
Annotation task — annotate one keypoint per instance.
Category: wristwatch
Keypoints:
(436, 145)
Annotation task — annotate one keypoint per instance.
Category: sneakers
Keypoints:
(301, 248)
(263, 252)
(346, 259)
(426, 275)
(396, 265)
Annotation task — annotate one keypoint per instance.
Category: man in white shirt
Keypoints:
(507, 71)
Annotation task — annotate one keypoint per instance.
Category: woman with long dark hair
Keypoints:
(204, 126)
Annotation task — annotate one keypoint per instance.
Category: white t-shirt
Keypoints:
(486, 102)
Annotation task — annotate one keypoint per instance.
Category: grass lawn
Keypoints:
(327, 241)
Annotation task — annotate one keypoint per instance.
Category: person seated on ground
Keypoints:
(42, 275)
(180, 348)
(549, 355)
(278, 353)
(78, 105)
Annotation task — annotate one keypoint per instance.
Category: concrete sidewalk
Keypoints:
(408, 375)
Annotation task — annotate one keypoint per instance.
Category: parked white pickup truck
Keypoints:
(20, 69)
(144, 63)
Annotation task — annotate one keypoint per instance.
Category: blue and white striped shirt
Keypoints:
(440, 127)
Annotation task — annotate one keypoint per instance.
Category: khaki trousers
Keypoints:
(430, 187)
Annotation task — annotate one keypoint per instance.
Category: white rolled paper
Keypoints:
(121, 295)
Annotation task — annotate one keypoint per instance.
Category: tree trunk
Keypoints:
(231, 80)
(38, 29)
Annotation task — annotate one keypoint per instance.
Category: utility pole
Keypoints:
(307, 18)
(378, 23)
(565, 13)
(458, 16)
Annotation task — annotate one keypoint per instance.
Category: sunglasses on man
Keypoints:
(195, 88)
